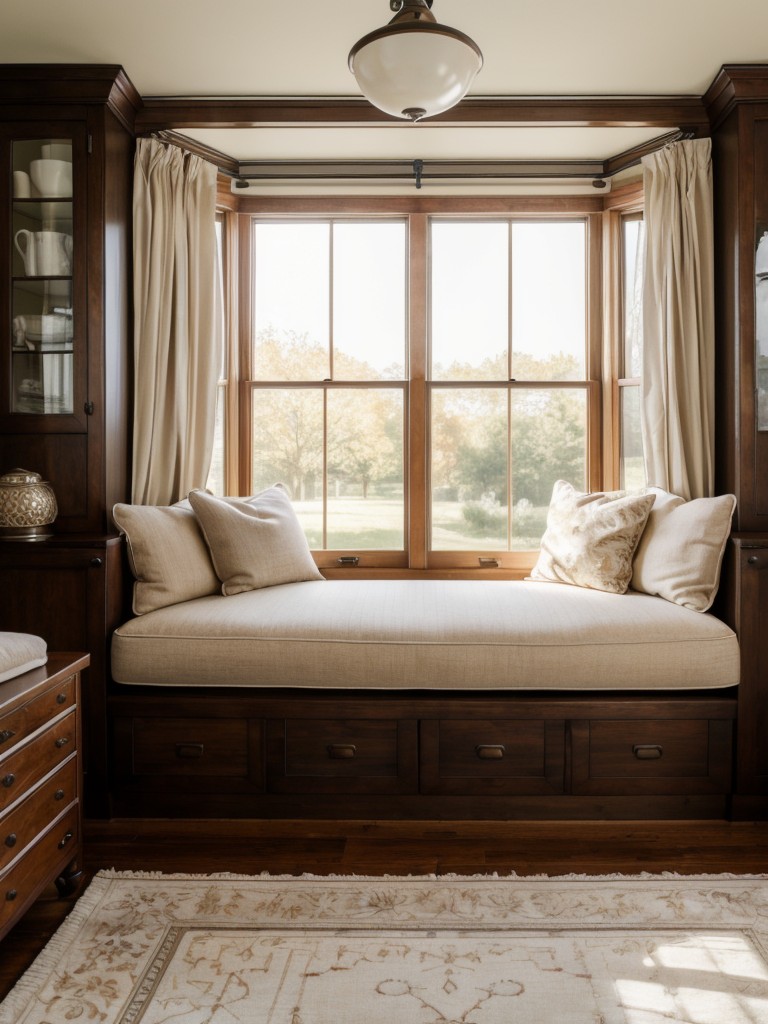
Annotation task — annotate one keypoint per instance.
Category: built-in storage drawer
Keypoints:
(33, 815)
(22, 882)
(190, 746)
(31, 762)
(678, 756)
(492, 756)
(342, 755)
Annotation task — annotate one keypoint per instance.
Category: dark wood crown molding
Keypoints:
(107, 85)
(159, 113)
(735, 83)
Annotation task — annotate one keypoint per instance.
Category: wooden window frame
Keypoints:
(602, 417)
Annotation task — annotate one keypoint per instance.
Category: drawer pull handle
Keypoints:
(65, 839)
(490, 751)
(10, 841)
(8, 780)
(342, 751)
(11, 895)
(6, 735)
(59, 794)
(62, 741)
(189, 751)
(61, 698)
(647, 751)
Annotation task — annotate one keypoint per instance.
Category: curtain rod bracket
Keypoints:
(418, 170)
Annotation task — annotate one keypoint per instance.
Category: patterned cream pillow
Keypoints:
(254, 542)
(590, 539)
(681, 551)
(167, 555)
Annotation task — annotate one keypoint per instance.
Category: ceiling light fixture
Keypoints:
(414, 67)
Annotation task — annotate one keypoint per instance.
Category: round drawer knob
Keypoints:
(10, 841)
(62, 741)
(8, 780)
(59, 794)
(96, 563)
(11, 895)
(61, 698)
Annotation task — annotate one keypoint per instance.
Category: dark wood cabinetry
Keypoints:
(68, 590)
(40, 808)
(64, 357)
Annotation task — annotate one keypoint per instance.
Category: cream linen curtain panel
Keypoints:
(678, 377)
(176, 336)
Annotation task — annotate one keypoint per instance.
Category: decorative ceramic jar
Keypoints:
(27, 506)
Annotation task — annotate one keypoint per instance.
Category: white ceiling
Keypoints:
(268, 48)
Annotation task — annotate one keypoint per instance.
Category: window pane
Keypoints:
(288, 449)
(549, 435)
(634, 257)
(291, 301)
(469, 469)
(470, 300)
(548, 301)
(369, 301)
(632, 464)
(365, 469)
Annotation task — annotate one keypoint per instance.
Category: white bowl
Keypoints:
(52, 177)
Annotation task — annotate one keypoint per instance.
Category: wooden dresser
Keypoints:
(40, 783)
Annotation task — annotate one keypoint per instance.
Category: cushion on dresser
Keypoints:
(20, 652)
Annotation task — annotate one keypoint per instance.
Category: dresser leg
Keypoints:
(69, 880)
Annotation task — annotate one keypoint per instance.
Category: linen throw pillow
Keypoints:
(254, 542)
(167, 555)
(590, 538)
(681, 551)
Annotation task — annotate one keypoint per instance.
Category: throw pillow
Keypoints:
(590, 538)
(167, 555)
(681, 551)
(254, 542)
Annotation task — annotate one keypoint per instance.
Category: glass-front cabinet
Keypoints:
(45, 364)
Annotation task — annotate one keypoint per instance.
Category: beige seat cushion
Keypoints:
(254, 542)
(591, 538)
(681, 550)
(167, 554)
(19, 653)
(441, 634)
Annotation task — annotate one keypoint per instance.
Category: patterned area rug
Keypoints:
(222, 949)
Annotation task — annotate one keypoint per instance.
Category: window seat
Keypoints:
(427, 634)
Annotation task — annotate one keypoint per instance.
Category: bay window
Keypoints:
(418, 375)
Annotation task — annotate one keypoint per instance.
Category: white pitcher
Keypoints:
(45, 253)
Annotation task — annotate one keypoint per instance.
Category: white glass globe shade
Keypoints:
(419, 69)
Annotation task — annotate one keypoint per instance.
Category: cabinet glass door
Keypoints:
(42, 259)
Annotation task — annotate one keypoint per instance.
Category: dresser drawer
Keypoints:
(190, 746)
(492, 756)
(342, 755)
(685, 756)
(28, 764)
(18, 724)
(29, 875)
(33, 815)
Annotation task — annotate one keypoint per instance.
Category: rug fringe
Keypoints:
(112, 873)
(40, 969)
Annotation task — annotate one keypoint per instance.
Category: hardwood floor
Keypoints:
(398, 848)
